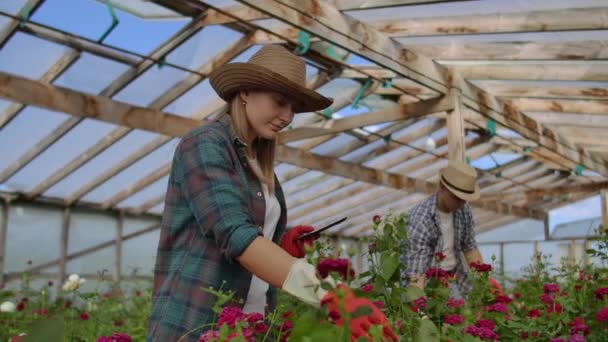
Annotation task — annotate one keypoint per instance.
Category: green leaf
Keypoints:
(51, 329)
(361, 311)
(412, 293)
(389, 263)
(427, 332)
(6, 294)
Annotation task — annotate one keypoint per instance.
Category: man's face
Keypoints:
(450, 202)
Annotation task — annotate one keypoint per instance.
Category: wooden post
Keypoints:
(3, 234)
(455, 125)
(502, 263)
(359, 256)
(63, 244)
(586, 258)
(572, 251)
(118, 248)
(604, 209)
(546, 228)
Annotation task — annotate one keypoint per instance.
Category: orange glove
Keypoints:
(359, 326)
(496, 288)
(296, 247)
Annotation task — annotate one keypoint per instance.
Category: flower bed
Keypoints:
(564, 303)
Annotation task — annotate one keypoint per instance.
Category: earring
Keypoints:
(244, 103)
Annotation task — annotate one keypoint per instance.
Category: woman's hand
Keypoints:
(295, 247)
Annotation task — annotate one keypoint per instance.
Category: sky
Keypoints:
(91, 19)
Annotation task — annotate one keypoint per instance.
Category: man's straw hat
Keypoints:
(461, 180)
(270, 68)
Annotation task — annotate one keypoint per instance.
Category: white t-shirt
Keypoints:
(446, 223)
(256, 297)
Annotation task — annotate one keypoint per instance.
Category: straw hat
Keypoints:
(270, 68)
(461, 180)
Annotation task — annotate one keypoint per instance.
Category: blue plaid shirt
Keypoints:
(425, 239)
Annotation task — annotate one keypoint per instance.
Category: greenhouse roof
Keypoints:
(94, 96)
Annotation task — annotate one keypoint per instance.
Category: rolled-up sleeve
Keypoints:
(215, 193)
(417, 253)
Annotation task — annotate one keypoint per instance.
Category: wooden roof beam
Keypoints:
(324, 20)
(531, 70)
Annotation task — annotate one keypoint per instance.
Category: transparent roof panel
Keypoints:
(152, 191)
(202, 46)
(157, 209)
(145, 9)
(90, 74)
(135, 172)
(12, 6)
(152, 84)
(70, 146)
(494, 159)
(91, 19)
(37, 122)
(201, 98)
(120, 150)
(4, 105)
(40, 56)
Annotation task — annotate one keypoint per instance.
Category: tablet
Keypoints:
(303, 236)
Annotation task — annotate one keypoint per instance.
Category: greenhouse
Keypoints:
(97, 98)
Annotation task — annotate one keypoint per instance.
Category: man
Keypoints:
(443, 223)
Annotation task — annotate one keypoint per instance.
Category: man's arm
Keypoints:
(473, 255)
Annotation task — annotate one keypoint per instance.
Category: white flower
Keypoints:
(7, 307)
(81, 281)
(74, 281)
(74, 277)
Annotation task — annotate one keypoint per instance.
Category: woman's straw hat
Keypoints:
(461, 180)
(270, 68)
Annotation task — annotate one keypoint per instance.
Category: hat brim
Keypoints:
(231, 78)
(463, 195)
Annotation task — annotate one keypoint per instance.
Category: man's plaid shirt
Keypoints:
(214, 208)
(425, 239)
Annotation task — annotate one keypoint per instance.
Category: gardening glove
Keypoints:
(359, 326)
(496, 288)
(302, 282)
(296, 247)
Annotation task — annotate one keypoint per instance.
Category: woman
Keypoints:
(224, 209)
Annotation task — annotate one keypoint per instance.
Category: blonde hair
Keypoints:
(262, 149)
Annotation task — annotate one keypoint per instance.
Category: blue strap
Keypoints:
(579, 170)
(24, 14)
(304, 40)
(112, 26)
(491, 127)
(360, 93)
(327, 113)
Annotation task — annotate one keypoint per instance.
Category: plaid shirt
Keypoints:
(425, 240)
(214, 208)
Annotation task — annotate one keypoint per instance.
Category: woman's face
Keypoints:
(267, 112)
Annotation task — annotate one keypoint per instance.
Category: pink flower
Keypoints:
(601, 292)
(485, 323)
(419, 303)
(286, 326)
(503, 299)
(334, 315)
(483, 333)
(534, 313)
(341, 266)
(439, 256)
(496, 307)
(517, 295)
(481, 268)
(550, 288)
(367, 288)
(546, 298)
(602, 315)
(377, 219)
(379, 304)
(209, 336)
(116, 337)
(453, 319)
(578, 325)
(454, 303)
(576, 338)
(287, 314)
(84, 316)
(556, 307)
(254, 317)
(436, 273)
(230, 316)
